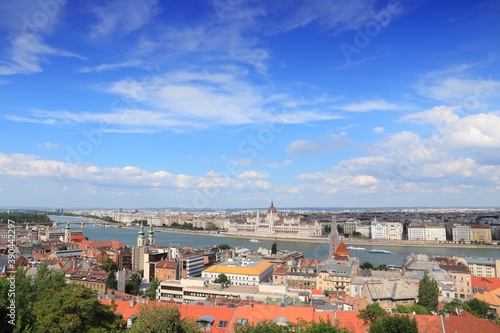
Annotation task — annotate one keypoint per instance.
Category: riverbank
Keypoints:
(324, 240)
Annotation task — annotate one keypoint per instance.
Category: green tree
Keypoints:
(109, 265)
(4, 302)
(382, 267)
(449, 307)
(74, 308)
(47, 280)
(155, 318)
(132, 284)
(418, 309)
(372, 312)
(107, 219)
(25, 297)
(151, 293)
(222, 278)
(324, 326)
(366, 265)
(224, 247)
(394, 324)
(274, 248)
(428, 293)
(356, 234)
(478, 308)
(264, 327)
(111, 282)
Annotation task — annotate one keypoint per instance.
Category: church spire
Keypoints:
(140, 236)
(67, 232)
(151, 235)
(334, 237)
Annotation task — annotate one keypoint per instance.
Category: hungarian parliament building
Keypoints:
(274, 224)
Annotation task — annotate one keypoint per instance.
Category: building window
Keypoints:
(222, 324)
(241, 321)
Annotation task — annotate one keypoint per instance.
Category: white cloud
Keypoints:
(253, 174)
(47, 145)
(411, 165)
(369, 105)
(459, 86)
(378, 130)
(303, 147)
(186, 100)
(328, 144)
(109, 67)
(285, 163)
(124, 16)
(475, 134)
(96, 181)
(336, 16)
(27, 53)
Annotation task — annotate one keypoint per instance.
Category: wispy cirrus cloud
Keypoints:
(27, 53)
(187, 100)
(459, 85)
(109, 67)
(122, 16)
(370, 105)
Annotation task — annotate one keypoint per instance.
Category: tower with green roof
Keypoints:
(151, 235)
(67, 232)
(140, 237)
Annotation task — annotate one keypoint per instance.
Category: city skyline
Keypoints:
(233, 104)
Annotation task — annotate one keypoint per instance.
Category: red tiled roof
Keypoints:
(341, 250)
(464, 323)
(77, 238)
(166, 264)
(486, 283)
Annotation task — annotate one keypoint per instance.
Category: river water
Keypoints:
(311, 250)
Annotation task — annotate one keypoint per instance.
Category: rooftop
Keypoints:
(240, 266)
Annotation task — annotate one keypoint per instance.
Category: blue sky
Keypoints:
(232, 103)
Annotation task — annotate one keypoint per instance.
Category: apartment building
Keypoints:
(481, 266)
(461, 233)
(426, 232)
(336, 276)
(386, 230)
(199, 289)
(461, 276)
(95, 280)
(389, 293)
(167, 270)
(481, 233)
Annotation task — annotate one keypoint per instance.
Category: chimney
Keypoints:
(131, 303)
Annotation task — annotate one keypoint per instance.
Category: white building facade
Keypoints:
(426, 232)
(461, 233)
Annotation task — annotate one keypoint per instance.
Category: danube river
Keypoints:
(311, 250)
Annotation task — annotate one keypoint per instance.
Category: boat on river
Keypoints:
(381, 251)
(356, 248)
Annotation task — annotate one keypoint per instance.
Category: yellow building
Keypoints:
(242, 271)
(480, 234)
